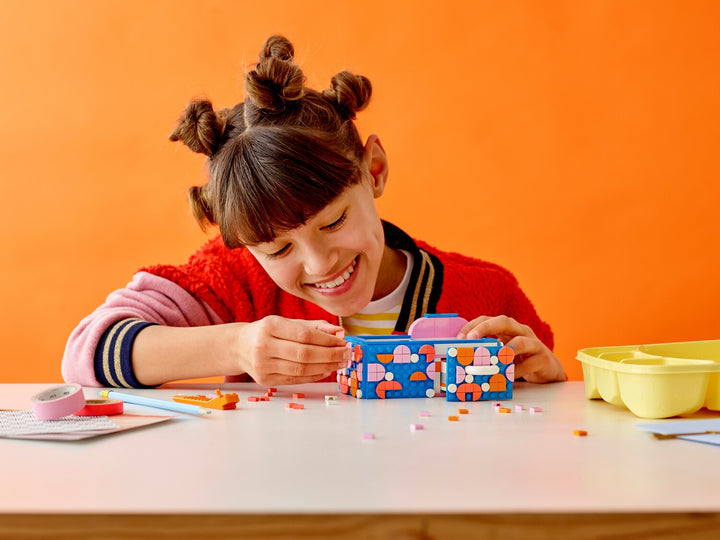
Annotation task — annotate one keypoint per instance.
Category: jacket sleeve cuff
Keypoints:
(113, 355)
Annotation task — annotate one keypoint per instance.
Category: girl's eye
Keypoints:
(279, 253)
(336, 224)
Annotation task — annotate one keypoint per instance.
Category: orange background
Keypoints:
(575, 143)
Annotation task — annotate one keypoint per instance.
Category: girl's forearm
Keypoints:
(162, 354)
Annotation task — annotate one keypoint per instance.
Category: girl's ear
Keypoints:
(377, 163)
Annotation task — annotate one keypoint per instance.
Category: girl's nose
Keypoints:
(319, 260)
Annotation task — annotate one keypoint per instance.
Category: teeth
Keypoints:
(339, 280)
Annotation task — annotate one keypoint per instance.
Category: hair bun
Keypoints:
(277, 47)
(276, 81)
(351, 92)
(200, 128)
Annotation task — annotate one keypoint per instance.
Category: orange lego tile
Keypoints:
(297, 406)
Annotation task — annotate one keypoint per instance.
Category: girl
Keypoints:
(302, 255)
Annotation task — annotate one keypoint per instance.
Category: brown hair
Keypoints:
(279, 157)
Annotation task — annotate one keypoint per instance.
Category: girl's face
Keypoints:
(337, 260)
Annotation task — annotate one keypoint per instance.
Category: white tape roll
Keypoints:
(58, 402)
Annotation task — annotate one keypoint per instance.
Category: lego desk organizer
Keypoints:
(430, 361)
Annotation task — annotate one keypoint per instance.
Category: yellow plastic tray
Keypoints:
(655, 381)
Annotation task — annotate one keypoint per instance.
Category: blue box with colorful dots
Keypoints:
(427, 362)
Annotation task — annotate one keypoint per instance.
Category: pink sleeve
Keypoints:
(147, 297)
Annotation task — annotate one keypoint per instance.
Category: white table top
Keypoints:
(264, 458)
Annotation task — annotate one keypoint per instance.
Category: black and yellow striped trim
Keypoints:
(113, 355)
(426, 279)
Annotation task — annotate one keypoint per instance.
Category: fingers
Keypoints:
(320, 333)
(462, 334)
(286, 351)
(501, 326)
(272, 379)
(526, 359)
(299, 358)
(526, 346)
(278, 379)
(534, 362)
(526, 367)
(328, 328)
(306, 342)
(282, 371)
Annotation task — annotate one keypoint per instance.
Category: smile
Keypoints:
(342, 278)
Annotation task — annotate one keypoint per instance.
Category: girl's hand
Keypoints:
(533, 360)
(275, 350)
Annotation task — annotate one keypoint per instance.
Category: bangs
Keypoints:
(278, 179)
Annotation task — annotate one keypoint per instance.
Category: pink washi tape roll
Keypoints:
(58, 401)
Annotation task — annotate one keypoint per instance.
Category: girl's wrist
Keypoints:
(228, 349)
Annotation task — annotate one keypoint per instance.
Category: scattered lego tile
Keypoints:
(463, 411)
(519, 408)
(253, 398)
(272, 390)
(298, 395)
(368, 436)
(294, 406)
(503, 410)
(264, 398)
(330, 398)
(535, 409)
(416, 427)
(424, 414)
(580, 433)
(453, 418)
